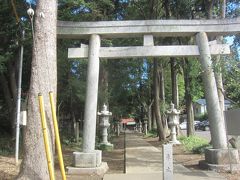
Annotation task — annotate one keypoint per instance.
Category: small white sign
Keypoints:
(23, 118)
(167, 162)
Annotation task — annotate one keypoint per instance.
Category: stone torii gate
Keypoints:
(148, 29)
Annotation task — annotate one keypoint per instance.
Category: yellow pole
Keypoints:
(58, 143)
(45, 137)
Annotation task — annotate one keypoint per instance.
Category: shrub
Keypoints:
(202, 117)
(152, 133)
(7, 146)
(194, 144)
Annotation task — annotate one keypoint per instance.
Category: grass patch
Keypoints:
(194, 144)
(152, 133)
(69, 143)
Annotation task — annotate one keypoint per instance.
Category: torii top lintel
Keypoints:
(170, 28)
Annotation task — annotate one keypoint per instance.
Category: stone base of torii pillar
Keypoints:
(221, 159)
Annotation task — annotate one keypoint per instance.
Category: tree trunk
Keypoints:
(162, 85)
(8, 82)
(12, 81)
(209, 8)
(6, 90)
(167, 8)
(150, 118)
(190, 117)
(218, 72)
(160, 129)
(154, 121)
(175, 98)
(43, 80)
(103, 84)
(188, 98)
(9, 101)
(162, 97)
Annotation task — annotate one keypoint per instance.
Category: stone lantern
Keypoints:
(104, 124)
(118, 128)
(173, 122)
(140, 127)
(145, 119)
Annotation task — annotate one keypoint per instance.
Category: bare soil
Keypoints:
(8, 169)
(115, 158)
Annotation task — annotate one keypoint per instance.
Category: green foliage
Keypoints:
(196, 85)
(95, 10)
(194, 144)
(105, 147)
(152, 133)
(202, 117)
(11, 40)
(233, 8)
(126, 86)
(72, 74)
(6, 146)
(232, 77)
(70, 143)
(181, 91)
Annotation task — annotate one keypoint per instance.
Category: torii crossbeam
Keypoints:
(126, 29)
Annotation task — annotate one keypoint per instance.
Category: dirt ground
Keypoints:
(115, 160)
(8, 170)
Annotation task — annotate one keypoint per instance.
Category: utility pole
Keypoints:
(19, 100)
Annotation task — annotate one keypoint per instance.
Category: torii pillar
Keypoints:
(90, 113)
(219, 154)
(89, 161)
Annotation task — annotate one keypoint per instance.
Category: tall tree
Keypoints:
(218, 71)
(174, 78)
(103, 84)
(231, 73)
(43, 80)
(10, 38)
(188, 98)
(156, 85)
(211, 4)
